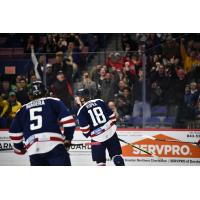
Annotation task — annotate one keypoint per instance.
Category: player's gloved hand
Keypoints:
(20, 151)
(67, 144)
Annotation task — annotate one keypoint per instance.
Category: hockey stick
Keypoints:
(166, 140)
(147, 152)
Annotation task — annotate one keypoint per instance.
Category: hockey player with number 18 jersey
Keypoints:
(97, 121)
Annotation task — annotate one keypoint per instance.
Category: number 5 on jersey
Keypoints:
(35, 117)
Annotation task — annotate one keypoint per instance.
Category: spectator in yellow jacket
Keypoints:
(3, 106)
(188, 60)
(14, 106)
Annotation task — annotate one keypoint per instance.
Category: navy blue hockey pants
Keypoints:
(112, 145)
(56, 157)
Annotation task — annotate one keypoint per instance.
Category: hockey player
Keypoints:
(97, 121)
(38, 122)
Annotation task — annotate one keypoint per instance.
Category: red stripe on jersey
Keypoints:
(16, 137)
(56, 139)
(68, 121)
(51, 139)
(85, 130)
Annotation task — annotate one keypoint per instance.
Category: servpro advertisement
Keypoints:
(165, 147)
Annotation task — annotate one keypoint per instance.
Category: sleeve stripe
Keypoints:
(16, 138)
(85, 127)
(17, 141)
(111, 116)
(69, 125)
(66, 118)
(68, 121)
(84, 130)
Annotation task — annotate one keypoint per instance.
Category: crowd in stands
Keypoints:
(172, 76)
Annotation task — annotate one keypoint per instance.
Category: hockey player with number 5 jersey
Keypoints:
(97, 121)
(38, 124)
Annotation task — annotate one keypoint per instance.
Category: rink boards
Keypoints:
(169, 152)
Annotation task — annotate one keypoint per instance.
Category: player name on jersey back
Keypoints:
(38, 102)
(90, 105)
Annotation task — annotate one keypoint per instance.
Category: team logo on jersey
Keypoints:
(97, 131)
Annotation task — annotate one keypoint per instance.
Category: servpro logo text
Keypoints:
(175, 150)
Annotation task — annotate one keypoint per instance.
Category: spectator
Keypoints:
(125, 104)
(188, 60)
(62, 89)
(17, 82)
(99, 76)
(139, 105)
(176, 94)
(112, 106)
(22, 92)
(156, 94)
(108, 88)
(194, 93)
(5, 88)
(62, 65)
(95, 73)
(49, 76)
(162, 82)
(177, 88)
(87, 83)
(50, 45)
(170, 48)
(122, 85)
(38, 64)
(33, 78)
(115, 61)
(75, 46)
(3, 111)
(188, 111)
(14, 106)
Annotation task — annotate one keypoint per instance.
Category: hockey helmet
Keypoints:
(83, 93)
(37, 89)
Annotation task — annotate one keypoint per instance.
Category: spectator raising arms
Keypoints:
(188, 60)
(88, 84)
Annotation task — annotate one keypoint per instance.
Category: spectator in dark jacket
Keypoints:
(159, 77)
(22, 92)
(63, 65)
(177, 87)
(108, 88)
(125, 104)
(62, 89)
